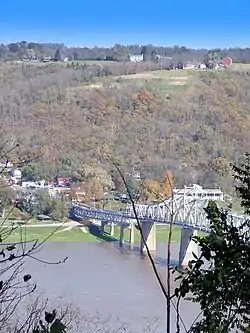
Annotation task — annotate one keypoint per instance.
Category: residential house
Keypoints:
(46, 59)
(136, 57)
(63, 181)
(202, 66)
(29, 184)
(189, 66)
(160, 56)
(16, 175)
(6, 165)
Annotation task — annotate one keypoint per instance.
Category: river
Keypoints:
(116, 282)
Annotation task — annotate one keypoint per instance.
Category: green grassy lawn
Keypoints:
(6, 221)
(30, 221)
(52, 234)
(75, 234)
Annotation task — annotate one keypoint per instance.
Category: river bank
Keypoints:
(72, 232)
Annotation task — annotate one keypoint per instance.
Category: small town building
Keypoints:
(136, 57)
(227, 61)
(202, 66)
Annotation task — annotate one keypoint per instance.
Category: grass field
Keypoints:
(75, 234)
(162, 80)
(240, 67)
(52, 234)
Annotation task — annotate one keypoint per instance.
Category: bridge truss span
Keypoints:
(185, 208)
(191, 214)
(82, 212)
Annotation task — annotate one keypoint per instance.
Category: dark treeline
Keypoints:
(18, 50)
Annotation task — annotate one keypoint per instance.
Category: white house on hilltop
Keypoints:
(136, 57)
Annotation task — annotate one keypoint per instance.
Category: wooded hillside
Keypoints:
(193, 123)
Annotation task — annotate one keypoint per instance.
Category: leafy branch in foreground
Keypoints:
(219, 278)
(51, 324)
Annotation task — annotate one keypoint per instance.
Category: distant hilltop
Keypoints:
(26, 51)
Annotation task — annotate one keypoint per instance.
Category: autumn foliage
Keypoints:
(168, 184)
(85, 113)
(151, 190)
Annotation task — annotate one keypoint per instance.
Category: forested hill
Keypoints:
(18, 50)
(191, 122)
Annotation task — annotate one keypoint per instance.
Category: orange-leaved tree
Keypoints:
(168, 184)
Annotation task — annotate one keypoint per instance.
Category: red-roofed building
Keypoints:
(227, 61)
(63, 181)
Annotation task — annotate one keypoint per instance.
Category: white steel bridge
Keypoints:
(185, 208)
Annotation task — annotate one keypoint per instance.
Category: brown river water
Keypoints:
(115, 282)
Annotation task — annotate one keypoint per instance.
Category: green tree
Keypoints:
(116, 178)
(6, 196)
(153, 56)
(31, 54)
(39, 170)
(146, 53)
(222, 287)
(65, 167)
(213, 57)
(132, 187)
(42, 204)
(242, 177)
(29, 173)
(57, 56)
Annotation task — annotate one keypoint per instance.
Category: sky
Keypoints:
(191, 23)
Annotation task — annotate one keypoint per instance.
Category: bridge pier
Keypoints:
(187, 247)
(149, 234)
(112, 229)
(132, 234)
(121, 242)
(102, 228)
